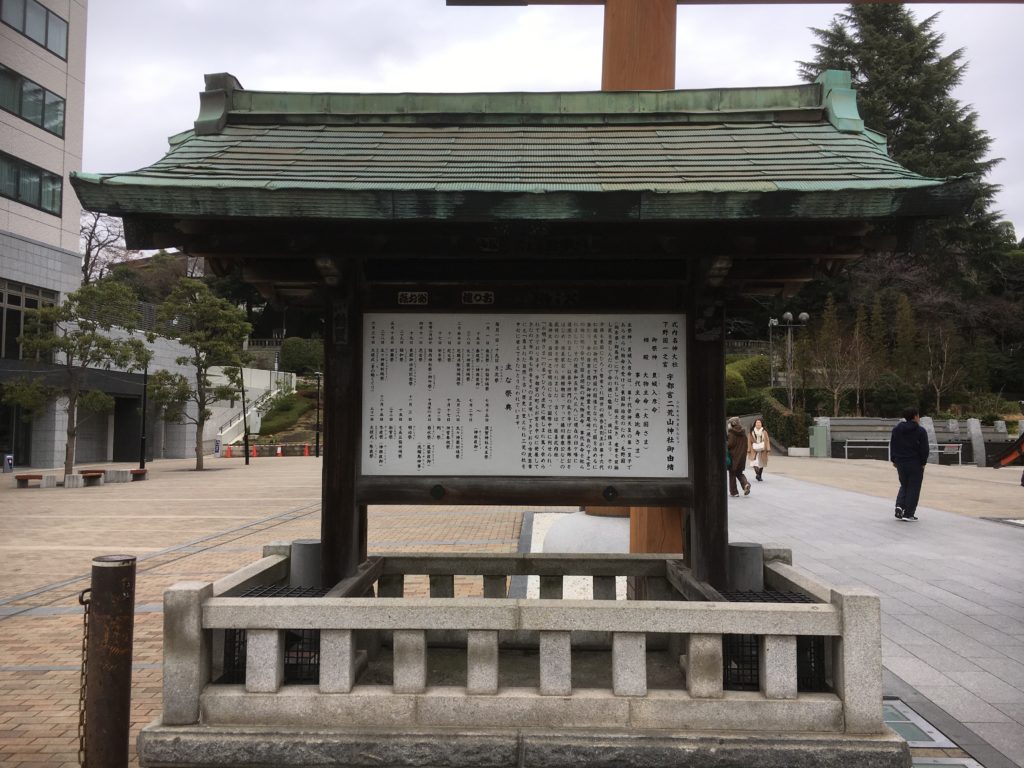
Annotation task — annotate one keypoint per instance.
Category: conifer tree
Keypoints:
(905, 81)
(905, 354)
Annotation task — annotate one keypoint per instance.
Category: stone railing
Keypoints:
(393, 662)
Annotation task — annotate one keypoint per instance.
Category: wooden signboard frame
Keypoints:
(517, 297)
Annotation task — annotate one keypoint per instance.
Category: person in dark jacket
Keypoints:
(908, 452)
(736, 444)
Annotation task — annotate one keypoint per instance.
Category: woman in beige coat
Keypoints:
(758, 447)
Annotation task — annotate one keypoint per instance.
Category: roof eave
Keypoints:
(925, 200)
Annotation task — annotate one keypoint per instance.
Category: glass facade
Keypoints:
(15, 298)
(37, 23)
(31, 102)
(30, 185)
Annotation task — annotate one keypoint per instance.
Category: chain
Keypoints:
(83, 600)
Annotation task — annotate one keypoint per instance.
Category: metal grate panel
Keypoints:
(301, 646)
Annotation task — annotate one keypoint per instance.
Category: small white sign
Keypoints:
(550, 395)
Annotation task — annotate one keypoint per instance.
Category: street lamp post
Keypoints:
(145, 405)
(245, 418)
(318, 375)
(789, 325)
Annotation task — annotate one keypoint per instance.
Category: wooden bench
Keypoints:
(24, 479)
(138, 474)
(92, 476)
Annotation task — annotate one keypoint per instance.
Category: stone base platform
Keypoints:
(224, 747)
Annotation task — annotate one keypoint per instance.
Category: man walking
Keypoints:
(908, 451)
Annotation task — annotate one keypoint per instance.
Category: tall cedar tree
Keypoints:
(904, 88)
(213, 330)
(68, 340)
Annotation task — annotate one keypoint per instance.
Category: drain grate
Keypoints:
(917, 731)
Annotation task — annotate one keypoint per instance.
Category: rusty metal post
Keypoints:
(109, 667)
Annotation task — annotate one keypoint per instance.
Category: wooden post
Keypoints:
(708, 550)
(639, 45)
(342, 521)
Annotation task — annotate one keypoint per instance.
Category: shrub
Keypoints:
(788, 428)
(743, 406)
(756, 371)
(735, 386)
(892, 394)
(301, 355)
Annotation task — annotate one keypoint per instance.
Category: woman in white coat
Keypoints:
(758, 447)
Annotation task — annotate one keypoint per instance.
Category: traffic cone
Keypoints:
(279, 451)
(254, 451)
(227, 451)
(305, 450)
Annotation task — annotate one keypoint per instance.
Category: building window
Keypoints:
(15, 298)
(31, 101)
(30, 185)
(37, 23)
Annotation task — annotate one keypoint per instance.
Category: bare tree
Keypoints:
(945, 362)
(101, 240)
(833, 356)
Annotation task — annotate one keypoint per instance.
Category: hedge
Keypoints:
(784, 425)
(743, 406)
(756, 371)
(735, 386)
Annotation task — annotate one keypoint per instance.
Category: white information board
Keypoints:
(524, 395)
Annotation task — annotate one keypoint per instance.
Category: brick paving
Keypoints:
(181, 525)
(184, 525)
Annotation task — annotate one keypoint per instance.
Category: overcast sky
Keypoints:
(146, 59)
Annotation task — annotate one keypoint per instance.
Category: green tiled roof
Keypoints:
(673, 155)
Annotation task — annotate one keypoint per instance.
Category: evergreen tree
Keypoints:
(93, 329)
(212, 329)
(905, 354)
(905, 86)
(878, 340)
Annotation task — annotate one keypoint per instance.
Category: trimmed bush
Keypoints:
(735, 386)
(756, 371)
(743, 406)
(782, 424)
(302, 355)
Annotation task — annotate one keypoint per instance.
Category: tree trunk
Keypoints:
(200, 420)
(835, 403)
(938, 399)
(72, 429)
(199, 444)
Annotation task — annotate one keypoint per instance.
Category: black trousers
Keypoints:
(911, 475)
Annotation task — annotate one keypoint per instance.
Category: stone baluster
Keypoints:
(629, 663)
(264, 660)
(703, 666)
(410, 671)
(551, 587)
(482, 662)
(555, 662)
(337, 660)
(777, 666)
(187, 657)
(495, 586)
(604, 587)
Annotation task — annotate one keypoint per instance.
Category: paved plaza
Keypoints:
(952, 586)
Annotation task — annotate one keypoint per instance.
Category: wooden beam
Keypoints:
(639, 45)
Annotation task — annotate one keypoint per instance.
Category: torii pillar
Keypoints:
(640, 54)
